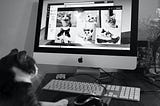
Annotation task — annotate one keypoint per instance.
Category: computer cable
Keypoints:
(142, 91)
(112, 75)
(150, 91)
(150, 82)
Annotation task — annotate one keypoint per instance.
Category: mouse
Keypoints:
(88, 100)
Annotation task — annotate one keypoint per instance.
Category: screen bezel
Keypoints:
(133, 40)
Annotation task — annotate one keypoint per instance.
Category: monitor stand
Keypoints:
(95, 72)
(99, 74)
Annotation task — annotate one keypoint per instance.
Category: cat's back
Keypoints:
(21, 95)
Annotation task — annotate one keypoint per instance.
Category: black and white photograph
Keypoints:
(80, 53)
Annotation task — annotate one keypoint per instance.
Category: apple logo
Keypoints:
(80, 60)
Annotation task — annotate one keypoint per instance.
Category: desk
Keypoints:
(126, 78)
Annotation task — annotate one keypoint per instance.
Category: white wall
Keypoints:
(17, 25)
(147, 8)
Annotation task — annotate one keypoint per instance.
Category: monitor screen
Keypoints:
(91, 30)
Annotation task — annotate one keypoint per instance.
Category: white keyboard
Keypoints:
(113, 91)
(75, 87)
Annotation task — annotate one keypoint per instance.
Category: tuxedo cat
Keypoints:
(107, 37)
(88, 34)
(105, 33)
(64, 36)
(112, 19)
(16, 71)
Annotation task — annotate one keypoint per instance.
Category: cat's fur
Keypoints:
(65, 19)
(88, 34)
(107, 37)
(112, 19)
(64, 36)
(16, 71)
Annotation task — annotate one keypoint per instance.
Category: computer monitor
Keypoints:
(82, 33)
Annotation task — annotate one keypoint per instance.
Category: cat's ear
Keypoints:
(13, 51)
(21, 57)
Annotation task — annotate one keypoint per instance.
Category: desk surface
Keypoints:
(126, 78)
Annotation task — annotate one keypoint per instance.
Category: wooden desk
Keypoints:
(126, 78)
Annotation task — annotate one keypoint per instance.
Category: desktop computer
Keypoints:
(87, 33)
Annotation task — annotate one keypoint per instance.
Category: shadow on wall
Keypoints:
(31, 30)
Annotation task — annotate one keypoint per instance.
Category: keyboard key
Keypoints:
(110, 94)
(113, 87)
(126, 95)
(131, 96)
(137, 94)
(115, 96)
(108, 87)
(122, 93)
(117, 88)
